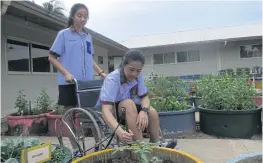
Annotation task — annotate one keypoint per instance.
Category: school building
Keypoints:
(28, 30)
(189, 54)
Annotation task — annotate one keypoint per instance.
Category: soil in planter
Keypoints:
(129, 160)
(255, 159)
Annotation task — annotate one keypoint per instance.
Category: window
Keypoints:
(158, 58)
(148, 59)
(100, 60)
(17, 56)
(40, 61)
(169, 58)
(164, 58)
(250, 51)
(188, 56)
(27, 57)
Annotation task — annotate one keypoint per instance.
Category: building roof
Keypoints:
(37, 14)
(200, 35)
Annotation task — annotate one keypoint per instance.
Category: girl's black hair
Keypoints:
(73, 11)
(132, 55)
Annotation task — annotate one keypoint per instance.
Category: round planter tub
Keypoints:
(245, 156)
(172, 154)
(178, 121)
(232, 124)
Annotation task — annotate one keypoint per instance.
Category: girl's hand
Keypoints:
(103, 75)
(69, 78)
(142, 120)
(125, 136)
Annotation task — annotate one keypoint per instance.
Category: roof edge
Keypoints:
(107, 40)
(61, 20)
(197, 42)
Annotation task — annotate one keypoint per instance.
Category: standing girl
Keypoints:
(72, 54)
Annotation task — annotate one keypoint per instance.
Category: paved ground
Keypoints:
(208, 150)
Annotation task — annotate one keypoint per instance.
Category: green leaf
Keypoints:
(11, 160)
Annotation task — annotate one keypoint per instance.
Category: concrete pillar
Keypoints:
(219, 59)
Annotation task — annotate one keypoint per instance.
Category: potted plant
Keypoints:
(11, 150)
(139, 152)
(169, 97)
(257, 70)
(28, 120)
(55, 118)
(229, 109)
(44, 103)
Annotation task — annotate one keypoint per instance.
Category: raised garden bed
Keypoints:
(139, 154)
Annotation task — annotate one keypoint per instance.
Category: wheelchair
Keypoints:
(87, 116)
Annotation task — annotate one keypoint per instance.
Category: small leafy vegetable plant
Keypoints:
(142, 150)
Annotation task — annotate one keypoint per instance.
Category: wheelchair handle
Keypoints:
(72, 81)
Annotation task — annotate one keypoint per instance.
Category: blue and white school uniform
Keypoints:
(116, 88)
(75, 52)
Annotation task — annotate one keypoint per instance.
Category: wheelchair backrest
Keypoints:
(88, 92)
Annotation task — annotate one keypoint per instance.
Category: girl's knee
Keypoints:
(153, 113)
(127, 102)
(128, 105)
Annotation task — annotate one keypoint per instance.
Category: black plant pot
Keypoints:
(178, 121)
(231, 124)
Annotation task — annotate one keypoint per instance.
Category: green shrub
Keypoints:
(223, 92)
(43, 102)
(168, 93)
(22, 104)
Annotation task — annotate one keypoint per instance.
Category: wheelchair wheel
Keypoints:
(86, 119)
(106, 132)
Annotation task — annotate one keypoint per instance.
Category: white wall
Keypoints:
(207, 57)
(117, 61)
(231, 55)
(100, 51)
(31, 83)
(214, 57)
